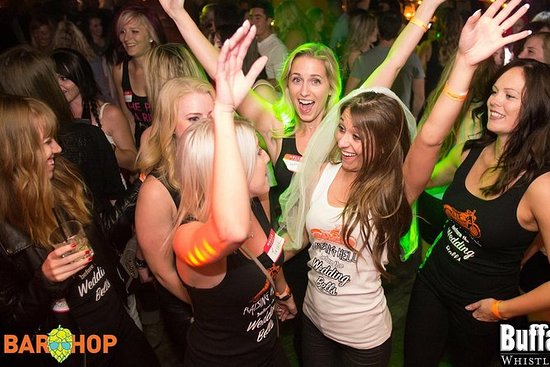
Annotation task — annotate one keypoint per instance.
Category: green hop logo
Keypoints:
(60, 342)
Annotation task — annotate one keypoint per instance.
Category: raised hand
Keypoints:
(232, 85)
(482, 33)
(172, 6)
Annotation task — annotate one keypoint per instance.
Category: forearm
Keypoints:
(170, 280)
(402, 47)
(231, 199)
(446, 109)
(203, 50)
(536, 300)
(126, 158)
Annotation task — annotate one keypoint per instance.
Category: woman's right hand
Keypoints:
(232, 86)
(57, 267)
(482, 34)
(172, 6)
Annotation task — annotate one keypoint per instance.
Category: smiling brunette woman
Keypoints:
(310, 85)
(357, 182)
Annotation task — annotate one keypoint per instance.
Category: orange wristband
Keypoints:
(284, 295)
(495, 311)
(420, 24)
(458, 97)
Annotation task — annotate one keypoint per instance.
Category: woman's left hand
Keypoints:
(286, 310)
(482, 310)
(482, 33)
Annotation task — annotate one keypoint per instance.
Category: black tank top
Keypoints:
(482, 243)
(283, 176)
(138, 105)
(235, 323)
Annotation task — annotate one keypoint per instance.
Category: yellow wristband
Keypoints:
(455, 96)
(495, 311)
(420, 24)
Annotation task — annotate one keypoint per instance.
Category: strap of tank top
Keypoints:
(262, 268)
(101, 110)
(468, 163)
(259, 213)
(125, 77)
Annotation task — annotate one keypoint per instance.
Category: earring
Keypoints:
(151, 40)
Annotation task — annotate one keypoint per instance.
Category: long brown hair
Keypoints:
(27, 194)
(527, 150)
(377, 202)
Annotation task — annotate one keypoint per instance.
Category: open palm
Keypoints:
(482, 33)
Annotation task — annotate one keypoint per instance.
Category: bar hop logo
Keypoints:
(60, 341)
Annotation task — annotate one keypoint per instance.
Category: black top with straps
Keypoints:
(138, 105)
(235, 323)
(283, 176)
(482, 242)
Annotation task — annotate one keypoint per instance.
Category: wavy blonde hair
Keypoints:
(158, 153)
(165, 62)
(28, 198)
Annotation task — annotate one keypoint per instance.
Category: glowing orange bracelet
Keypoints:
(455, 96)
(420, 24)
(495, 311)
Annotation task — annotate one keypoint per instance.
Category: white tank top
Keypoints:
(344, 296)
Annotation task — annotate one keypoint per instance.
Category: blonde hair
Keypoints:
(131, 14)
(284, 108)
(165, 62)
(28, 198)
(158, 153)
(68, 35)
(195, 159)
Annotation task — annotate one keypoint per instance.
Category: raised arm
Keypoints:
(403, 46)
(203, 50)
(228, 226)
(480, 38)
(252, 107)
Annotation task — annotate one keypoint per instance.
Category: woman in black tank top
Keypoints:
(495, 206)
(139, 30)
(227, 256)
(159, 196)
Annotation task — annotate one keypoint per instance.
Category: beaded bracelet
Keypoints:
(420, 24)
(458, 97)
(495, 311)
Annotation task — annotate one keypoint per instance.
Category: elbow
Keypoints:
(236, 233)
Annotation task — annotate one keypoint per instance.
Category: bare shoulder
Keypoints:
(537, 200)
(113, 113)
(154, 194)
(539, 190)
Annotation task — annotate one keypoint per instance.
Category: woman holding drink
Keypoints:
(46, 284)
